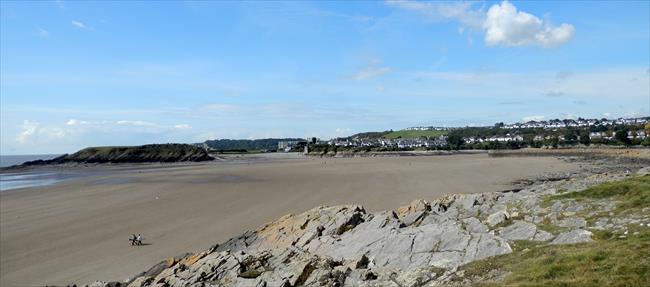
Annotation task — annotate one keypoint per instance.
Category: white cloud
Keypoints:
(506, 26)
(372, 70)
(79, 24)
(137, 123)
(444, 11)
(503, 24)
(33, 132)
(182, 127)
(138, 126)
(29, 130)
(533, 118)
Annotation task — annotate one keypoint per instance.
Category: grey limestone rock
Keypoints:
(520, 230)
(573, 236)
(497, 217)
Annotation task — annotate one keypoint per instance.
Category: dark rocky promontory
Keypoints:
(131, 154)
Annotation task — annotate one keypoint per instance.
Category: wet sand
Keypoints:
(78, 230)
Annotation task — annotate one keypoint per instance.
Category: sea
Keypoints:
(21, 179)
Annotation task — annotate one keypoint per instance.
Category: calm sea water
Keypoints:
(12, 180)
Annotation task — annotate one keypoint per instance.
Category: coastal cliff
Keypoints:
(545, 233)
(131, 154)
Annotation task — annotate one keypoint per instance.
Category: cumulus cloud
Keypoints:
(33, 132)
(505, 25)
(29, 130)
(372, 70)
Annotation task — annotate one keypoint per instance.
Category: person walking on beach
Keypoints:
(133, 240)
(139, 239)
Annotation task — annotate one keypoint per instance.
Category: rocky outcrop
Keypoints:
(131, 154)
(421, 244)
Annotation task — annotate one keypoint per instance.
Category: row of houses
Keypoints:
(555, 124)
(505, 138)
(391, 143)
(639, 134)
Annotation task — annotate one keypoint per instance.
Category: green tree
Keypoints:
(621, 136)
(646, 141)
(570, 136)
(584, 137)
(455, 140)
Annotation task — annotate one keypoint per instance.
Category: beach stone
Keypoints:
(497, 217)
(573, 236)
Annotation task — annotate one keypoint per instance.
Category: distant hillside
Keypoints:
(405, 134)
(369, 135)
(249, 145)
(131, 154)
(414, 134)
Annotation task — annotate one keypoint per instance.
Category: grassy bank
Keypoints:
(611, 260)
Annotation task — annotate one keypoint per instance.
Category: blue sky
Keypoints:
(76, 74)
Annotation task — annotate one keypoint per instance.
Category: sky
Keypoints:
(77, 74)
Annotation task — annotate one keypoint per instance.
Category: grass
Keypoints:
(632, 193)
(413, 134)
(608, 261)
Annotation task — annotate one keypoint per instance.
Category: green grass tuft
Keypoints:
(610, 262)
(632, 193)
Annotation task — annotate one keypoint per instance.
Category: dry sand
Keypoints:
(77, 231)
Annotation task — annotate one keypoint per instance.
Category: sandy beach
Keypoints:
(78, 230)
